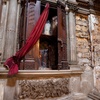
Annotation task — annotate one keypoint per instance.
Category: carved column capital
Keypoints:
(71, 5)
(19, 1)
(4, 1)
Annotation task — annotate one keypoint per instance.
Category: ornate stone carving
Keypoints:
(72, 6)
(43, 88)
(5, 1)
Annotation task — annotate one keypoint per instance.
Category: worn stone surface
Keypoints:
(83, 43)
(74, 84)
(84, 53)
(96, 53)
(97, 78)
(79, 96)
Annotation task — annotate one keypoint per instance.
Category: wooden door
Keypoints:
(31, 60)
(62, 39)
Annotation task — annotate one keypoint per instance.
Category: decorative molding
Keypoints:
(43, 88)
(83, 11)
(72, 1)
(85, 1)
(90, 4)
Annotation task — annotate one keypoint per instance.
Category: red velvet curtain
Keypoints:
(13, 62)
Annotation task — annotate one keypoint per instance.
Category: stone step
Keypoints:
(94, 96)
(79, 96)
(96, 93)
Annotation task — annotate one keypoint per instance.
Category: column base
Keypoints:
(74, 67)
(79, 96)
(2, 67)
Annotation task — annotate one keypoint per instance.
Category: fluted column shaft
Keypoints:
(10, 30)
(72, 38)
(71, 7)
(16, 45)
(3, 26)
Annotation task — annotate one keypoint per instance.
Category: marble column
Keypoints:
(0, 8)
(71, 37)
(67, 31)
(16, 47)
(10, 37)
(3, 23)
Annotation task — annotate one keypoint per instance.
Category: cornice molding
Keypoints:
(85, 1)
(74, 2)
(83, 11)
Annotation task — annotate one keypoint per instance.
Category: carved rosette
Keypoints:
(43, 88)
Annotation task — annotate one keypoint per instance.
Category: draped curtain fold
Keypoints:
(13, 62)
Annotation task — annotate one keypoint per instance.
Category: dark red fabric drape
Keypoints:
(13, 62)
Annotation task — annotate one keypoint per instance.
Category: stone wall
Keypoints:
(96, 53)
(88, 52)
(96, 41)
(84, 53)
(83, 41)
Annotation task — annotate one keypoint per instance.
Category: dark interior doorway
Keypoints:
(48, 41)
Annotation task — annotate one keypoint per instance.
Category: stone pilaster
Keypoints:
(10, 35)
(0, 8)
(71, 38)
(17, 25)
(3, 23)
(67, 32)
(74, 85)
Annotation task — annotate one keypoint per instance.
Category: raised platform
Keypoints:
(39, 84)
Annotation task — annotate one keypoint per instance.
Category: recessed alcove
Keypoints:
(48, 42)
